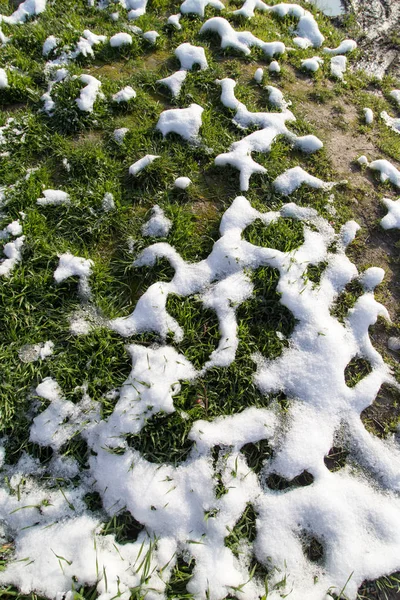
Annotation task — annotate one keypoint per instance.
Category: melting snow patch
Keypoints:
(338, 66)
(53, 198)
(26, 9)
(189, 56)
(89, 93)
(174, 21)
(178, 506)
(258, 75)
(274, 67)
(391, 122)
(394, 344)
(108, 203)
(292, 179)
(307, 33)
(368, 115)
(119, 134)
(158, 225)
(197, 7)
(138, 8)
(151, 36)
(120, 39)
(32, 352)
(240, 40)
(270, 126)
(343, 48)
(392, 219)
(248, 8)
(3, 79)
(13, 253)
(388, 172)
(182, 183)
(174, 82)
(395, 94)
(124, 95)
(312, 64)
(75, 266)
(186, 122)
(141, 164)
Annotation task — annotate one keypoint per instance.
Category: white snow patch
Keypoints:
(307, 32)
(343, 48)
(258, 75)
(142, 163)
(26, 9)
(158, 225)
(368, 115)
(392, 122)
(292, 179)
(395, 94)
(33, 352)
(338, 66)
(120, 39)
(174, 82)
(89, 93)
(274, 67)
(54, 198)
(174, 21)
(189, 56)
(197, 7)
(3, 79)
(182, 183)
(13, 253)
(108, 203)
(186, 122)
(75, 266)
(270, 126)
(49, 44)
(312, 64)
(392, 219)
(151, 36)
(388, 172)
(124, 95)
(138, 8)
(240, 40)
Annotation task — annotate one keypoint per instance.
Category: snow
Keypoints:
(170, 502)
(392, 219)
(158, 225)
(54, 198)
(391, 122)
(270, 125)
(239, 40)
(388, 172)
(182, 183)
(395, 94)
(13, 252)
(26, 9)
(174, 21)
(151, 36)
(198, 7)
(363, 160)
(258, 75)
(108, 203)
(248, 8)
(369, 115)
(75, 266)
(33, 352)
(89, 93)
(138, 8)
(343, 48)
(189, 56)
(312, 64)
(292, 179)
(174, 82)
(3, 79)
(274, 67)
(307, 32)
(141, 164)
(394, 344)
(185, 122)
(49, 44)
(338, 66)
(119, 134)
(120, 39)
(124, 95)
